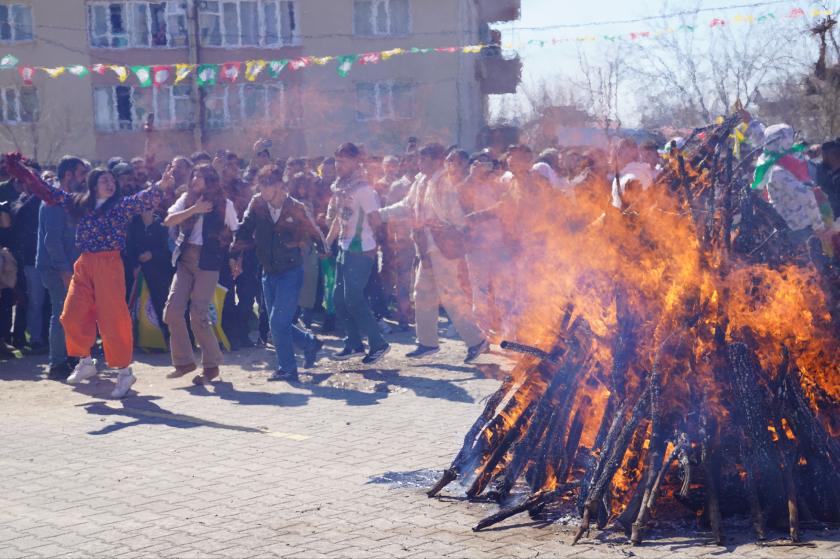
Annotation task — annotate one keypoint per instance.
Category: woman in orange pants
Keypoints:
(96, 294)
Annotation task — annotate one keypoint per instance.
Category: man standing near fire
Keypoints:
(433, 206)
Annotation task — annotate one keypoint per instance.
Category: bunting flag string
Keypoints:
(253, 68)
(207, 75)
(182, 72)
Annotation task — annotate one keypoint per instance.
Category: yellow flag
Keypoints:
(472, 49)
(121, 72)
(182, 71)
(322, 60)
(215, 312)
(149, 332)
(386, 54)
(54, 72)
(253, 69)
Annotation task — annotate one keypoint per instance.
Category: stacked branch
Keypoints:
(696, 416)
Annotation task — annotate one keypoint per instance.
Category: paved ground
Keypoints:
(247, 468)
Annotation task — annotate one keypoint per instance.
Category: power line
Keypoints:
(512, 28)
(111, 54)
(681, 13)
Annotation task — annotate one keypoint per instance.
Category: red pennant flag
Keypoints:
(717, 21)
(99, 69)
(446, 49)
(27, 73)
(796, 12)
(369, 58)
(230, 71)
(160, 75)
(299, 63)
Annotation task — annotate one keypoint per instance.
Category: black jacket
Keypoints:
(153, 238)
(277, 245)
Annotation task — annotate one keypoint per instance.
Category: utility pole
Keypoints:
(197, 94)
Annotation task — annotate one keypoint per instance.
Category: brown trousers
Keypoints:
(194, 287)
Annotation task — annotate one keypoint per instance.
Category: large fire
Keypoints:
(682, 364)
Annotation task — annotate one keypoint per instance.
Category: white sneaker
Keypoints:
(124, 382)
(85, 369)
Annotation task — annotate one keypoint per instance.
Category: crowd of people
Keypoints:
(351, 243)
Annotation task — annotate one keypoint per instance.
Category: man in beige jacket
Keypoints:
(432, 203)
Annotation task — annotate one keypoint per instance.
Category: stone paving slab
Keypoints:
(247, 468)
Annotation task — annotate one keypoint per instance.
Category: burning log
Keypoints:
(471, 439)
(616, 449)
(654, 381)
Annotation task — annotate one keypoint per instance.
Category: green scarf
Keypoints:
(770, 158)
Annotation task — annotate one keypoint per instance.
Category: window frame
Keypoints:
(13, 28)
(165, 94)
(384, 94)
(373, 27)
(173, 9)
(265, 38)
(19, 114)
(233, 99)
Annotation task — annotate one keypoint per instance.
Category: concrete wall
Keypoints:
(449, 105)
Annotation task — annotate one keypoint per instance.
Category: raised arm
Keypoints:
(33, 184)
(176, 218)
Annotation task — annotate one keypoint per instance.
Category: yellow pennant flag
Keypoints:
(182, 71)
(253, 69)
(322, 60)
(121, 72)
(472, 49)
(149, 331)
(386, 54)
(54, 72)
(215, 313)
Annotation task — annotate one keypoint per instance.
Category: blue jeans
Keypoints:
(281, 292)
(58, 291)
(353, 271)
(35, 291)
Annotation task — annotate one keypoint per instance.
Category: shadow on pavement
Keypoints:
(26, 368)
(143, 411)
(421, 386)
(226, 391)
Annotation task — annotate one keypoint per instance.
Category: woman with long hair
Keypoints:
(96, 295)
(205, 219)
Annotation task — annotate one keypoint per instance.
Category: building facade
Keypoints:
(306, 112)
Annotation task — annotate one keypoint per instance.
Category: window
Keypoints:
(15, 22)
(137, 24)
(126, 108)
(236, 23)
(381, 18)
(18, 105)
(226, 105)
(384, 101)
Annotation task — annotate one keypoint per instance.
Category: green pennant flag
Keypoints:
(768, 159)
(78, 70)
(416, 50)
(207, 74)
(143, 74)
(8, 62)
(276, 66)
(345, 64)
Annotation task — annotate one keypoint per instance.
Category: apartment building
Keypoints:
(305, 112)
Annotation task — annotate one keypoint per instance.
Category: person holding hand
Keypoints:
(96, 294)
(205, 219)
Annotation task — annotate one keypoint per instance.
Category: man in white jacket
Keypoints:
(432, 205)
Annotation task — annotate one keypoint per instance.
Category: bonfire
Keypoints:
(680, 360)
